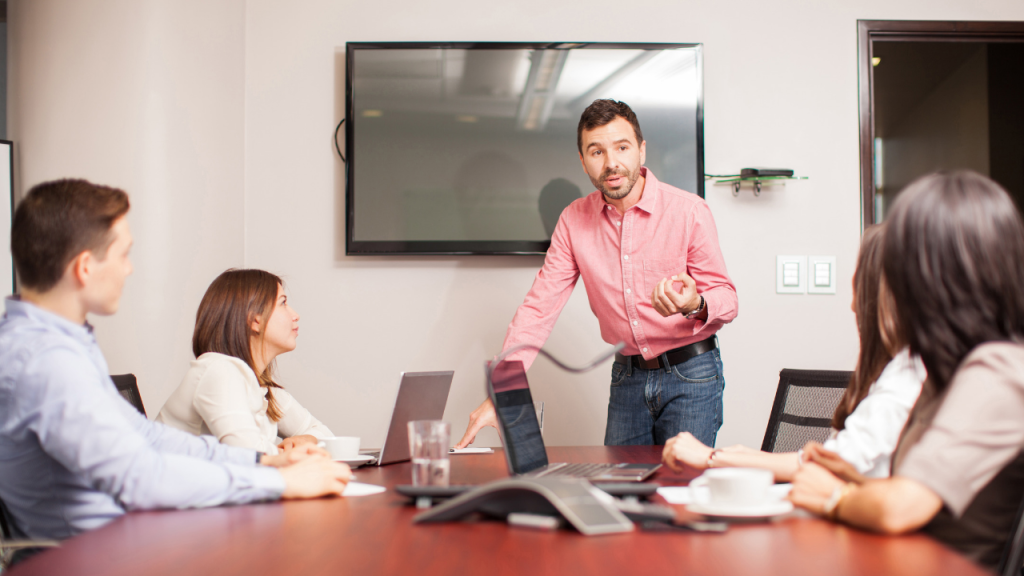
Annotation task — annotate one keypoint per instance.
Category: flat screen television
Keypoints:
(470, 148)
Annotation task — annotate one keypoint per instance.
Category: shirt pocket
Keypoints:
(656, 269)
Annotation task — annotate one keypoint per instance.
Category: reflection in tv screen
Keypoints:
(471, 147)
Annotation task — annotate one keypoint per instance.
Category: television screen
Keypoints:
(471, 148)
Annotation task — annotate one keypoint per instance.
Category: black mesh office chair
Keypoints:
(803, 409)
(128, 386)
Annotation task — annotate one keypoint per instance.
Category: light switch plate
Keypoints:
(813, 265)
(781, 286)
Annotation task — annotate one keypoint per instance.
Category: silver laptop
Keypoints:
(524, 445)
(421, 396)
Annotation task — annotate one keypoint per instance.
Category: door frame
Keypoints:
(907, 31)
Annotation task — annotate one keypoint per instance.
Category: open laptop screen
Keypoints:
(520, 430)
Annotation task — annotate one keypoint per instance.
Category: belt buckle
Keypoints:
(646, 364)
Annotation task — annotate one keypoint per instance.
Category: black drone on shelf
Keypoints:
(756, 176)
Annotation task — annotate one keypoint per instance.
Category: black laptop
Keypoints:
(524, 445)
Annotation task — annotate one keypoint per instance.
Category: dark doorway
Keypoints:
(939, 96)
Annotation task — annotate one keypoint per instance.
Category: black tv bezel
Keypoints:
(477, 247)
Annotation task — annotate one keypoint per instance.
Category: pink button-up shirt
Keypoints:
(621, 258)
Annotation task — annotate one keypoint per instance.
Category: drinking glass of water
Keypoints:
(428, 446)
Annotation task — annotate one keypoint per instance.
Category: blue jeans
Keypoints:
(650, 406)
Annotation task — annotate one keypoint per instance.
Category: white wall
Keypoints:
(146, 96)
(780, 90)
(164, 98)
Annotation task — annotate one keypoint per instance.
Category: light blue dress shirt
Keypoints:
(75, 455)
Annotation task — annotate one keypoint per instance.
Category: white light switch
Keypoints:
(791, 274)
(823, 272)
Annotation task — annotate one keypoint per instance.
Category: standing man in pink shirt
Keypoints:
(649, 255)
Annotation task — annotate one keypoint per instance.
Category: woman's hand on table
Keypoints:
(684, 450)
(296, 441)
(289, 456)
(834, 463)
(314, 477)
(814, 487)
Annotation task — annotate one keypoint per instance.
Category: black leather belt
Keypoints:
(676, 356)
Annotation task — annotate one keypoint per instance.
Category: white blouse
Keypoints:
(220, 395)
(873, 429)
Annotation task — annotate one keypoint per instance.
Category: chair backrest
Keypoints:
(803, 408)
(128, 386)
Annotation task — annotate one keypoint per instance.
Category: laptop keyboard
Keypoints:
(578, 470)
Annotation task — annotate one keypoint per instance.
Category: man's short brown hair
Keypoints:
(59, 220)
(602, 112)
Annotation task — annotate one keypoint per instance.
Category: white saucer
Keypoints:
(760, 511)
(356, 460)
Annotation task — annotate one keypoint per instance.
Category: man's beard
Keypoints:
(631, 178)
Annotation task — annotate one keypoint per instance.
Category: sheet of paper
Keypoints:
(360, 489)
(471, 450)
(684, 494)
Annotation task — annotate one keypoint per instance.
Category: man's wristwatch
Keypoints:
(696, 311)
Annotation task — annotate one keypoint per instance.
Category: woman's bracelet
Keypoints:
(711, 457)
(838, 493)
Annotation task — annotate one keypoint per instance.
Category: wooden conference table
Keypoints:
(375, 535)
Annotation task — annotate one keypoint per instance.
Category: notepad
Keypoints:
(471, 450)
(354, 489)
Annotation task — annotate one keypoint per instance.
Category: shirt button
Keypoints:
(645, 349)
(628, 291)
(634, 324)
(618, 223)
(625, 256)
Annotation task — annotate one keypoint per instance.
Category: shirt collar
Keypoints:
(650, 196)
(16, 307)
(648, 200)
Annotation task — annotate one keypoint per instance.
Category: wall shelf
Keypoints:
(757, 182)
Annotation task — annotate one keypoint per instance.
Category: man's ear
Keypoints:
(643, 152)
(584, 164)
(80, 268)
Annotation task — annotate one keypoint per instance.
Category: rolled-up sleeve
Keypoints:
(706, 265)
(83, 425)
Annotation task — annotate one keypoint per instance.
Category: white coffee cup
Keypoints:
(734, 487)
(341, 447)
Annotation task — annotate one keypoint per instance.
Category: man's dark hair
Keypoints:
(602, 112)
(59, 220)
(954, 261)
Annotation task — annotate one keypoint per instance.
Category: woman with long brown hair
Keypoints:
(954, 262)
(872, 411)
(244, 322)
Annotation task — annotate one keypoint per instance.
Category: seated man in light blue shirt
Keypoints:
(73, 454)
